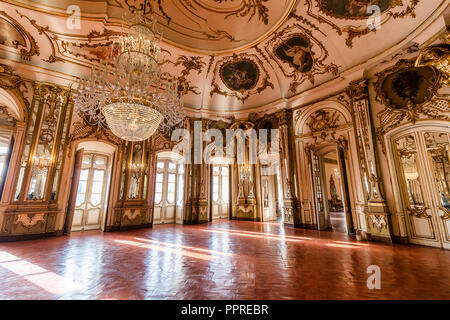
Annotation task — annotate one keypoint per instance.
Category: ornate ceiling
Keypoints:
(230, 55)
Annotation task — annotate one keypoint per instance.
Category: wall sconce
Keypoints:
(244, 173)
(40, 164)
(135, 169)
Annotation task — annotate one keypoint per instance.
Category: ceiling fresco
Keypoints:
(228, 55)
(352, 9)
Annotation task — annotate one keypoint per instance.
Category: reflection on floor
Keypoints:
(223, 260)
(338, 222)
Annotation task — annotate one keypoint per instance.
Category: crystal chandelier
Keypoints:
(132, 95)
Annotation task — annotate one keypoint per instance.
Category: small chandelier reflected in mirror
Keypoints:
(132, 95)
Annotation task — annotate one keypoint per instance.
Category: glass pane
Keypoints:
(80, 199)
(97, 186)
(181, 168)
(160, 165)
(87, 160)
(158, 197)
(37, 185)
(82, 186)
(171, 197)
(159, 177)
(408, 161)
(84, 174)
(225, 187)
(224, 171)
(171, 187)
(96, 198)
(215, 195)
(100, 160)
(441, 169)
(172, 166)
(158, 187)
(435, 139)
(216, 169)
(180, 189)
(98, 175)
(171, 177)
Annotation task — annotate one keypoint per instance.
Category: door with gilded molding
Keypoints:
(422, 157)
(165, 192)
(220, 192)
(319, 192)
(91, 195)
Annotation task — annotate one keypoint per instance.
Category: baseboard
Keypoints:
(381, 239)
(400, 239)
(306, 226)
(25, 237)
(125, 228)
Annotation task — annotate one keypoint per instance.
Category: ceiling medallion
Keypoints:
(133, 94)
(240, 74)
(299, 55)
(244, 75)
(296, 51)
(409, 94)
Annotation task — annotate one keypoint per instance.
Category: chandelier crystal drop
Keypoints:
(132, 95)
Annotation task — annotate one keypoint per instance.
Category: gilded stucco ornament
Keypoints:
(438, 57)
(409, 94)
(13, 34)
(189, 64)
(322, 120)
(354, 11)
(241, 77)
(9, 80)
(299, 55)
(378, 221)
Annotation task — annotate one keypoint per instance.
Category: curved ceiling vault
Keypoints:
(229, 55)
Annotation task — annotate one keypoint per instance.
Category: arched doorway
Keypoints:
(331, 190)
(169, 188)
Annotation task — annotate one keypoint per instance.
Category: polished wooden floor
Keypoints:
(222, 260)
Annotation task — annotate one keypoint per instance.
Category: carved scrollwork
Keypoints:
(446, 215)
(378, 221)
(299, 55)
(30, 220)
(419, 212)
(354, 11)
(242, 76)
(322, 120)
(83, 130)
(409, 94)
(22, 38)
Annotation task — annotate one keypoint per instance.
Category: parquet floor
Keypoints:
(221, 260)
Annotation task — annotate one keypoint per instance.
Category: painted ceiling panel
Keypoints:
(228, 55)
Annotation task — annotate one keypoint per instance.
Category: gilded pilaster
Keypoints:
(377, 211)
(291, 205)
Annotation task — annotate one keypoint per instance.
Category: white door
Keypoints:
(422, 156)
(319, 192)
(268, 198)
(180, 194)
(91, 195)
(220, 192)
(165, 192)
